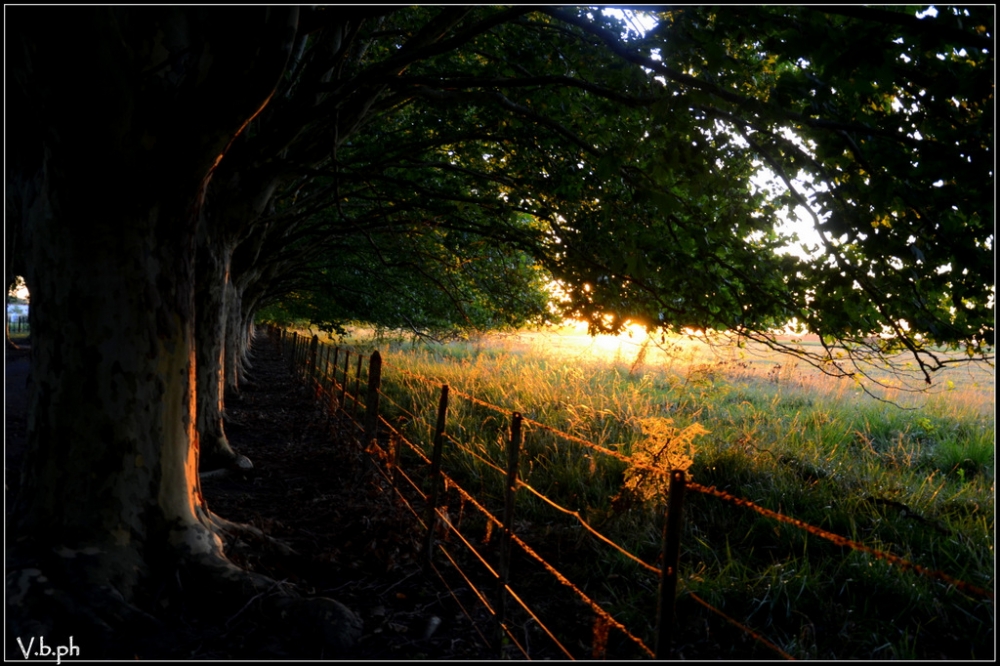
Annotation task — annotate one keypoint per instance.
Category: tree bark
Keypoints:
(232, 208)
(130, 109)
(212, 261)
(236, 349)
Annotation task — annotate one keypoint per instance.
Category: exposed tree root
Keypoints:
(217, 454)
(59, 598)
(306, 628)
(254, 537)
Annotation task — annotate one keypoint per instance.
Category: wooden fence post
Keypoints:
(671, 553)
(435, 473)
(513, 451)
(295, 349)
(371, 401)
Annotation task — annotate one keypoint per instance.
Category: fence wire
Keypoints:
(301, 354)
(903, 563)
(750, 632)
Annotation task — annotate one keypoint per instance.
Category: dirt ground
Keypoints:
(309, 489)
(355, 542)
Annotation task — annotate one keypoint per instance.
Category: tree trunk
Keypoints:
(231, 209)
(213, 260)
(239, 335)
(235, 352)
(110, 510)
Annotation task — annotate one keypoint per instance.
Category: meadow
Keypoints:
(899, 470)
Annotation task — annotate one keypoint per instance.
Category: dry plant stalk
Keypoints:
(664, 447)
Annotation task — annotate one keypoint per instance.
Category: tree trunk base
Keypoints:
(296, 626)
(66, 598)
(217, 454)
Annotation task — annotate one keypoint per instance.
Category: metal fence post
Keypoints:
(333, 381)
(326, 368)
(513, 451)
(311, 363)
(671, 553)
(343, 387)
(321, 360)
(333, 369)
(435, 473)
(371, 401)
(357, 389)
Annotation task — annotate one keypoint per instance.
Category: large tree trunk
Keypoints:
(110, 508)
(213, 260)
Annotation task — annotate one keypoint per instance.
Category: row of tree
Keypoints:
(174, 172)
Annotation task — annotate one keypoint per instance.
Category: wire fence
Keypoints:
(407, 451)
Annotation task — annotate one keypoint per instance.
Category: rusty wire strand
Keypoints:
(594, 606)
(482, 598)
(455, 597)
(562, 579)
(556, 573)
(709, 490)
(743, 628)
(475, 455)
(590, 529)
(903, 563)
(534, 617)
(405, 411)
(447, 523)
(418, 450)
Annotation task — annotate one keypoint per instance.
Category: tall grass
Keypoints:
(916, 482)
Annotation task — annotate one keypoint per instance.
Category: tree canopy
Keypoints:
(636, 154)
(173, 171)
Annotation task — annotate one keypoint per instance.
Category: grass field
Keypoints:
(913, 476)
(20, 336)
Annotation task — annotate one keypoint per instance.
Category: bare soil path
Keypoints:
(355, 543)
